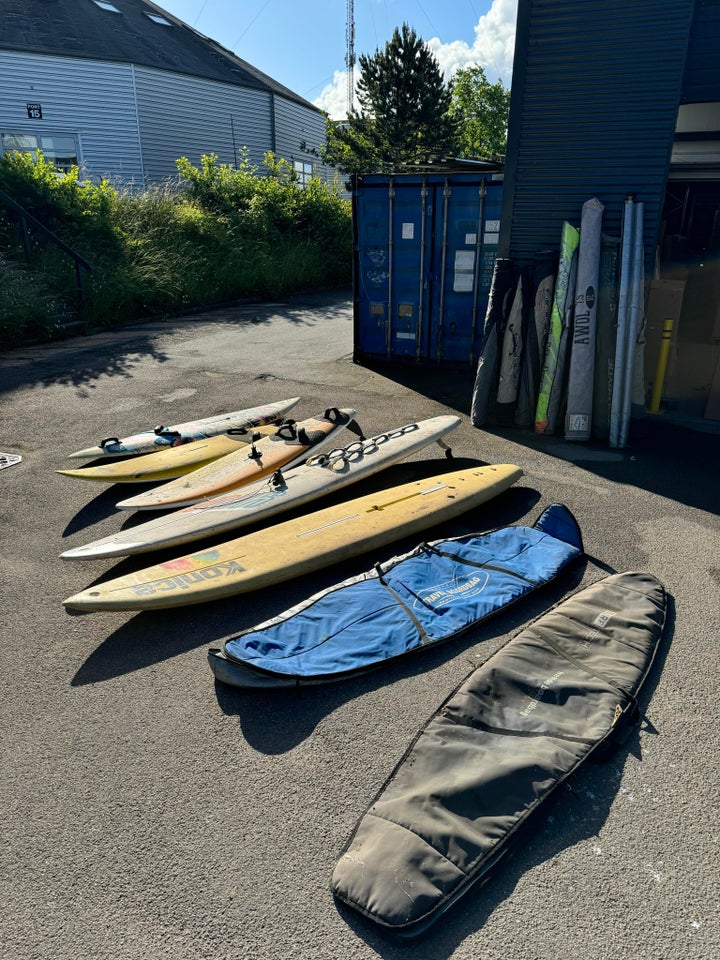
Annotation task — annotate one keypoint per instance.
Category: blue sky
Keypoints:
(303, 45)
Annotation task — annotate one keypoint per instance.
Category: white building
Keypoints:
(123, 89)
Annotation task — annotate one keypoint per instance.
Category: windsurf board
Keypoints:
(160, 438)
(321, 474)
(172, 462)
(290, 444)
(581, 364)
(553, 371)
(301, 545)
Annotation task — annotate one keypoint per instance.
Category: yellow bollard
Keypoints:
(661, 366)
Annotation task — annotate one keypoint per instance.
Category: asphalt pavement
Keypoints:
(150, 812)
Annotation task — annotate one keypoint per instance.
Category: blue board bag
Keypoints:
(409, 603)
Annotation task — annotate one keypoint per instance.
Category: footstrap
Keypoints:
(173, 436)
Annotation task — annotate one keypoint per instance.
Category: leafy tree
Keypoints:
(404, 113)
(480, 109)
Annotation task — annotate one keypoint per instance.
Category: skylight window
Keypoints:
(157, 18)
(105, 5)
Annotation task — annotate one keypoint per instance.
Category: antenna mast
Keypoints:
(350, 54)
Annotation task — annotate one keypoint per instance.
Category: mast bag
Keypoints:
(559, 692)
(408, 603)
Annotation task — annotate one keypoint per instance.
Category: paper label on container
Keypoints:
(464, 271)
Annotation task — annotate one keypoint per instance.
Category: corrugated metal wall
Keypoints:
(702, 76)
(188, 117)
(593, 114)
(94, 101)
(295, 125)
(134, 122)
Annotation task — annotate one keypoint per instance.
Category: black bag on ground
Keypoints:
(556, 694)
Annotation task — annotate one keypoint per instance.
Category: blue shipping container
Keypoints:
(424, 252)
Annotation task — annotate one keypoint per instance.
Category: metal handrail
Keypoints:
(25, 218)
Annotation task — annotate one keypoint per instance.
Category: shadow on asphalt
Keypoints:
(103, 506)
(663, 458)
(575, 813)
(81, 361)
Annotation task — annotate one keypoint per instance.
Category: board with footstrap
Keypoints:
(321, 474)
(292, 443)
(162, 437)
(171, 462)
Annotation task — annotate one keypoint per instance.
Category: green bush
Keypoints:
(216, 233)
(28, 308)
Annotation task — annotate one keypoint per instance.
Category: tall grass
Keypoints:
(214, 234)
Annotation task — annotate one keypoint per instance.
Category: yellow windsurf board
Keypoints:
(301, 545)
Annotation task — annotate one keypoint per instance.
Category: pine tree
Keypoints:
(404, 113)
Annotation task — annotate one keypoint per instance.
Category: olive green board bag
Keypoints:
(560, 692)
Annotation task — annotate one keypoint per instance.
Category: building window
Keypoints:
(59, 149)
(105, 5)
(157, 18)
(304, 172)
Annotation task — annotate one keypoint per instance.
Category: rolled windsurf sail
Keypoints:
(578, 417)
(552, 382)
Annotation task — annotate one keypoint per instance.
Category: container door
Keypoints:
(391, 268)
(371, 269)
(467, 224)
(409, 270)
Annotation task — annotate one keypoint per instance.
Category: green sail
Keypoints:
(560, 320)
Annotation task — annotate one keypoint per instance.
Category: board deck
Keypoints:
(291, 444)
(301, 545)
(160, 438)
(172, 462)
(320, 475)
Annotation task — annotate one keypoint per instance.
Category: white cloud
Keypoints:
(492, 49)
(333, 99)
